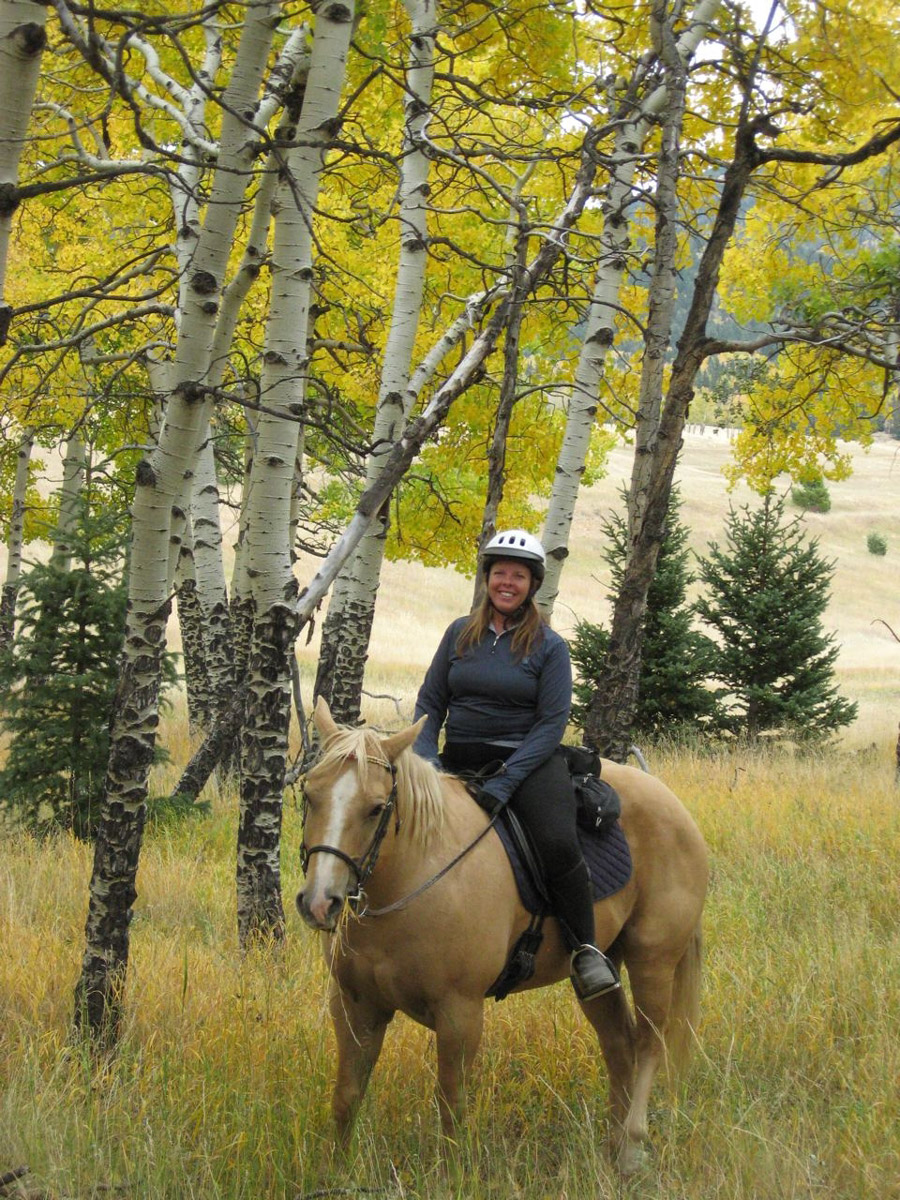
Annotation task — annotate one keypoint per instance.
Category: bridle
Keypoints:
(365, 864)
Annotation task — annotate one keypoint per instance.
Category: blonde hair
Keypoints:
(527, 635)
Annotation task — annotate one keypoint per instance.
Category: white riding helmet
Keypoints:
(516, 543)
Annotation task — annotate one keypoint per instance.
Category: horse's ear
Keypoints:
(323, 719)
(394, 745)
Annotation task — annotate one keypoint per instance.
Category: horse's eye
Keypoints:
(376, 811)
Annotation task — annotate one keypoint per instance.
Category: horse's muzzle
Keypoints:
(320, 912)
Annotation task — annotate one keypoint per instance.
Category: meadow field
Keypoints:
(416, 604)
(221, 1083)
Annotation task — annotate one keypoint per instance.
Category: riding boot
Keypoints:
(591, 971)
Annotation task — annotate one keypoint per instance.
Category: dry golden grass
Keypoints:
(221, 1085)
(220, 1088)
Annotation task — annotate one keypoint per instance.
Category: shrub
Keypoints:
(812, 495)
(876, 544)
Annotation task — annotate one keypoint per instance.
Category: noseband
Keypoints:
(365, 865)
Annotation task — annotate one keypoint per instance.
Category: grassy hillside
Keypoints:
(415, 604)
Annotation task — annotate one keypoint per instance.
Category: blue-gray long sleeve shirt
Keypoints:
(489, 696)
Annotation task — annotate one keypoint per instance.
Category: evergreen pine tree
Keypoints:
(59, 680)
(676, 659)
(812, 495)
(767, 590)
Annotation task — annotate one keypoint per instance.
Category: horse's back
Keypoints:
(652, 812)
(671, 862)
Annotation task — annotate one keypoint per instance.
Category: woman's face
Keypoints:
(508, 586)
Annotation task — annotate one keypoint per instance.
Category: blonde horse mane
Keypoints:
(420, 794)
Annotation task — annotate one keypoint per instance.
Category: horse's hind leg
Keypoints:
(651, 985)
(359, 1028)
(633, 1048)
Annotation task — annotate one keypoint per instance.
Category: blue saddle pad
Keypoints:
(607, 856)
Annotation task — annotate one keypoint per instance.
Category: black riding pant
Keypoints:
(545, 805)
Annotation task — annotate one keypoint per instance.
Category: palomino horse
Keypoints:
(439, 913)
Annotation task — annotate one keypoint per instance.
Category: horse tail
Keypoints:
(684, 1013)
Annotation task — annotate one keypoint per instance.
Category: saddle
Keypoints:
(606, 853)
(603, 845)
(608, 860)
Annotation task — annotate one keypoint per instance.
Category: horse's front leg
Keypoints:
(359, 1027)
(458, 1028)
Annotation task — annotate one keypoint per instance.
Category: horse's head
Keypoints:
(350, 808)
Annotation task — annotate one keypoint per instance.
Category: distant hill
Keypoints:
(416, 603)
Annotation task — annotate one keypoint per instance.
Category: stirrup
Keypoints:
(592, 973)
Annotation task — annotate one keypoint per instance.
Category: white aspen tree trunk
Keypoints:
(159, 485)
(193, 641)
(69, 503)
(892, 354)
(241, 597)
(661, 297)
(348, 625)
(297, 489)
(158, 379)
(224, 658)
(23, 37)
(419, 429)
(210, 587)
(269, 560)
(509, 387)
(211, 661)
(621, 675)
(331, 638)
(221, 747)
(14, 542)
(599, 334)
(184, 181)
(185, 192)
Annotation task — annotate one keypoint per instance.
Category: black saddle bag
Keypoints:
(599, 806)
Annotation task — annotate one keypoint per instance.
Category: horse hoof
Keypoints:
(633, 1157)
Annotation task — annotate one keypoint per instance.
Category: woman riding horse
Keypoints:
(418, 908)
(501, 685)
